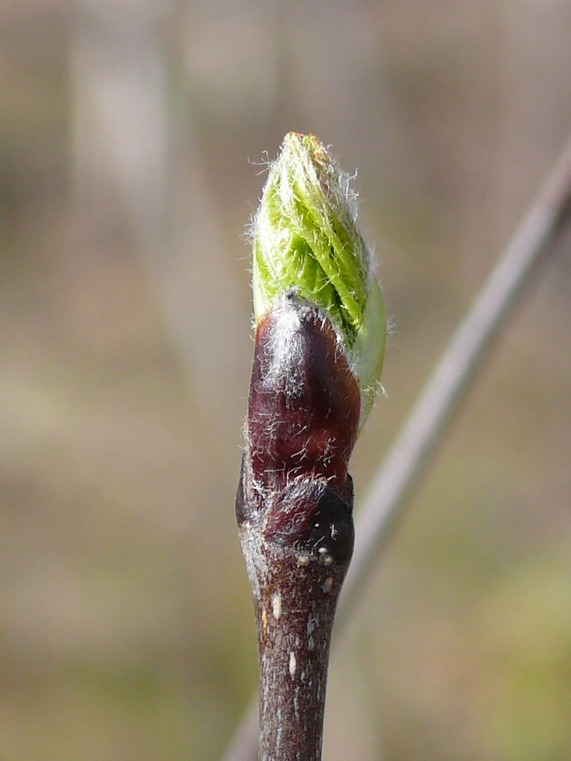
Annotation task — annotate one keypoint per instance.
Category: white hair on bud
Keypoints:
(285, 344)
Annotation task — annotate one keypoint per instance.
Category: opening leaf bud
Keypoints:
(306, 240)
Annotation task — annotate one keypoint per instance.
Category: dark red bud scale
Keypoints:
(304, 402)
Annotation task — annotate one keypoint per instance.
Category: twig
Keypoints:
(411, 454)
(320, 334)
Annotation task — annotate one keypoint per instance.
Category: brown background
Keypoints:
(132, 140)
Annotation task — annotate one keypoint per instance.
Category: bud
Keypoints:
(320, 337)
(306, 241)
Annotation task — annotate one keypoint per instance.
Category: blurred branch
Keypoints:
(137, 163)
(411, 454)
(441, 398)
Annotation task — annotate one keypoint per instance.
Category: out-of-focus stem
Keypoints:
(539, 231)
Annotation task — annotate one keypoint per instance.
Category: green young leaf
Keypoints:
(305, 237)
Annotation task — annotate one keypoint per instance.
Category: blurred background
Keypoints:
(133, 138)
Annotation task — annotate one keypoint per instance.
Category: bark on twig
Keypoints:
(295, 595)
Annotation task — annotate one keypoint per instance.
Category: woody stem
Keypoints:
(295, 590)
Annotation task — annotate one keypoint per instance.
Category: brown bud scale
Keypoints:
(304, 402)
